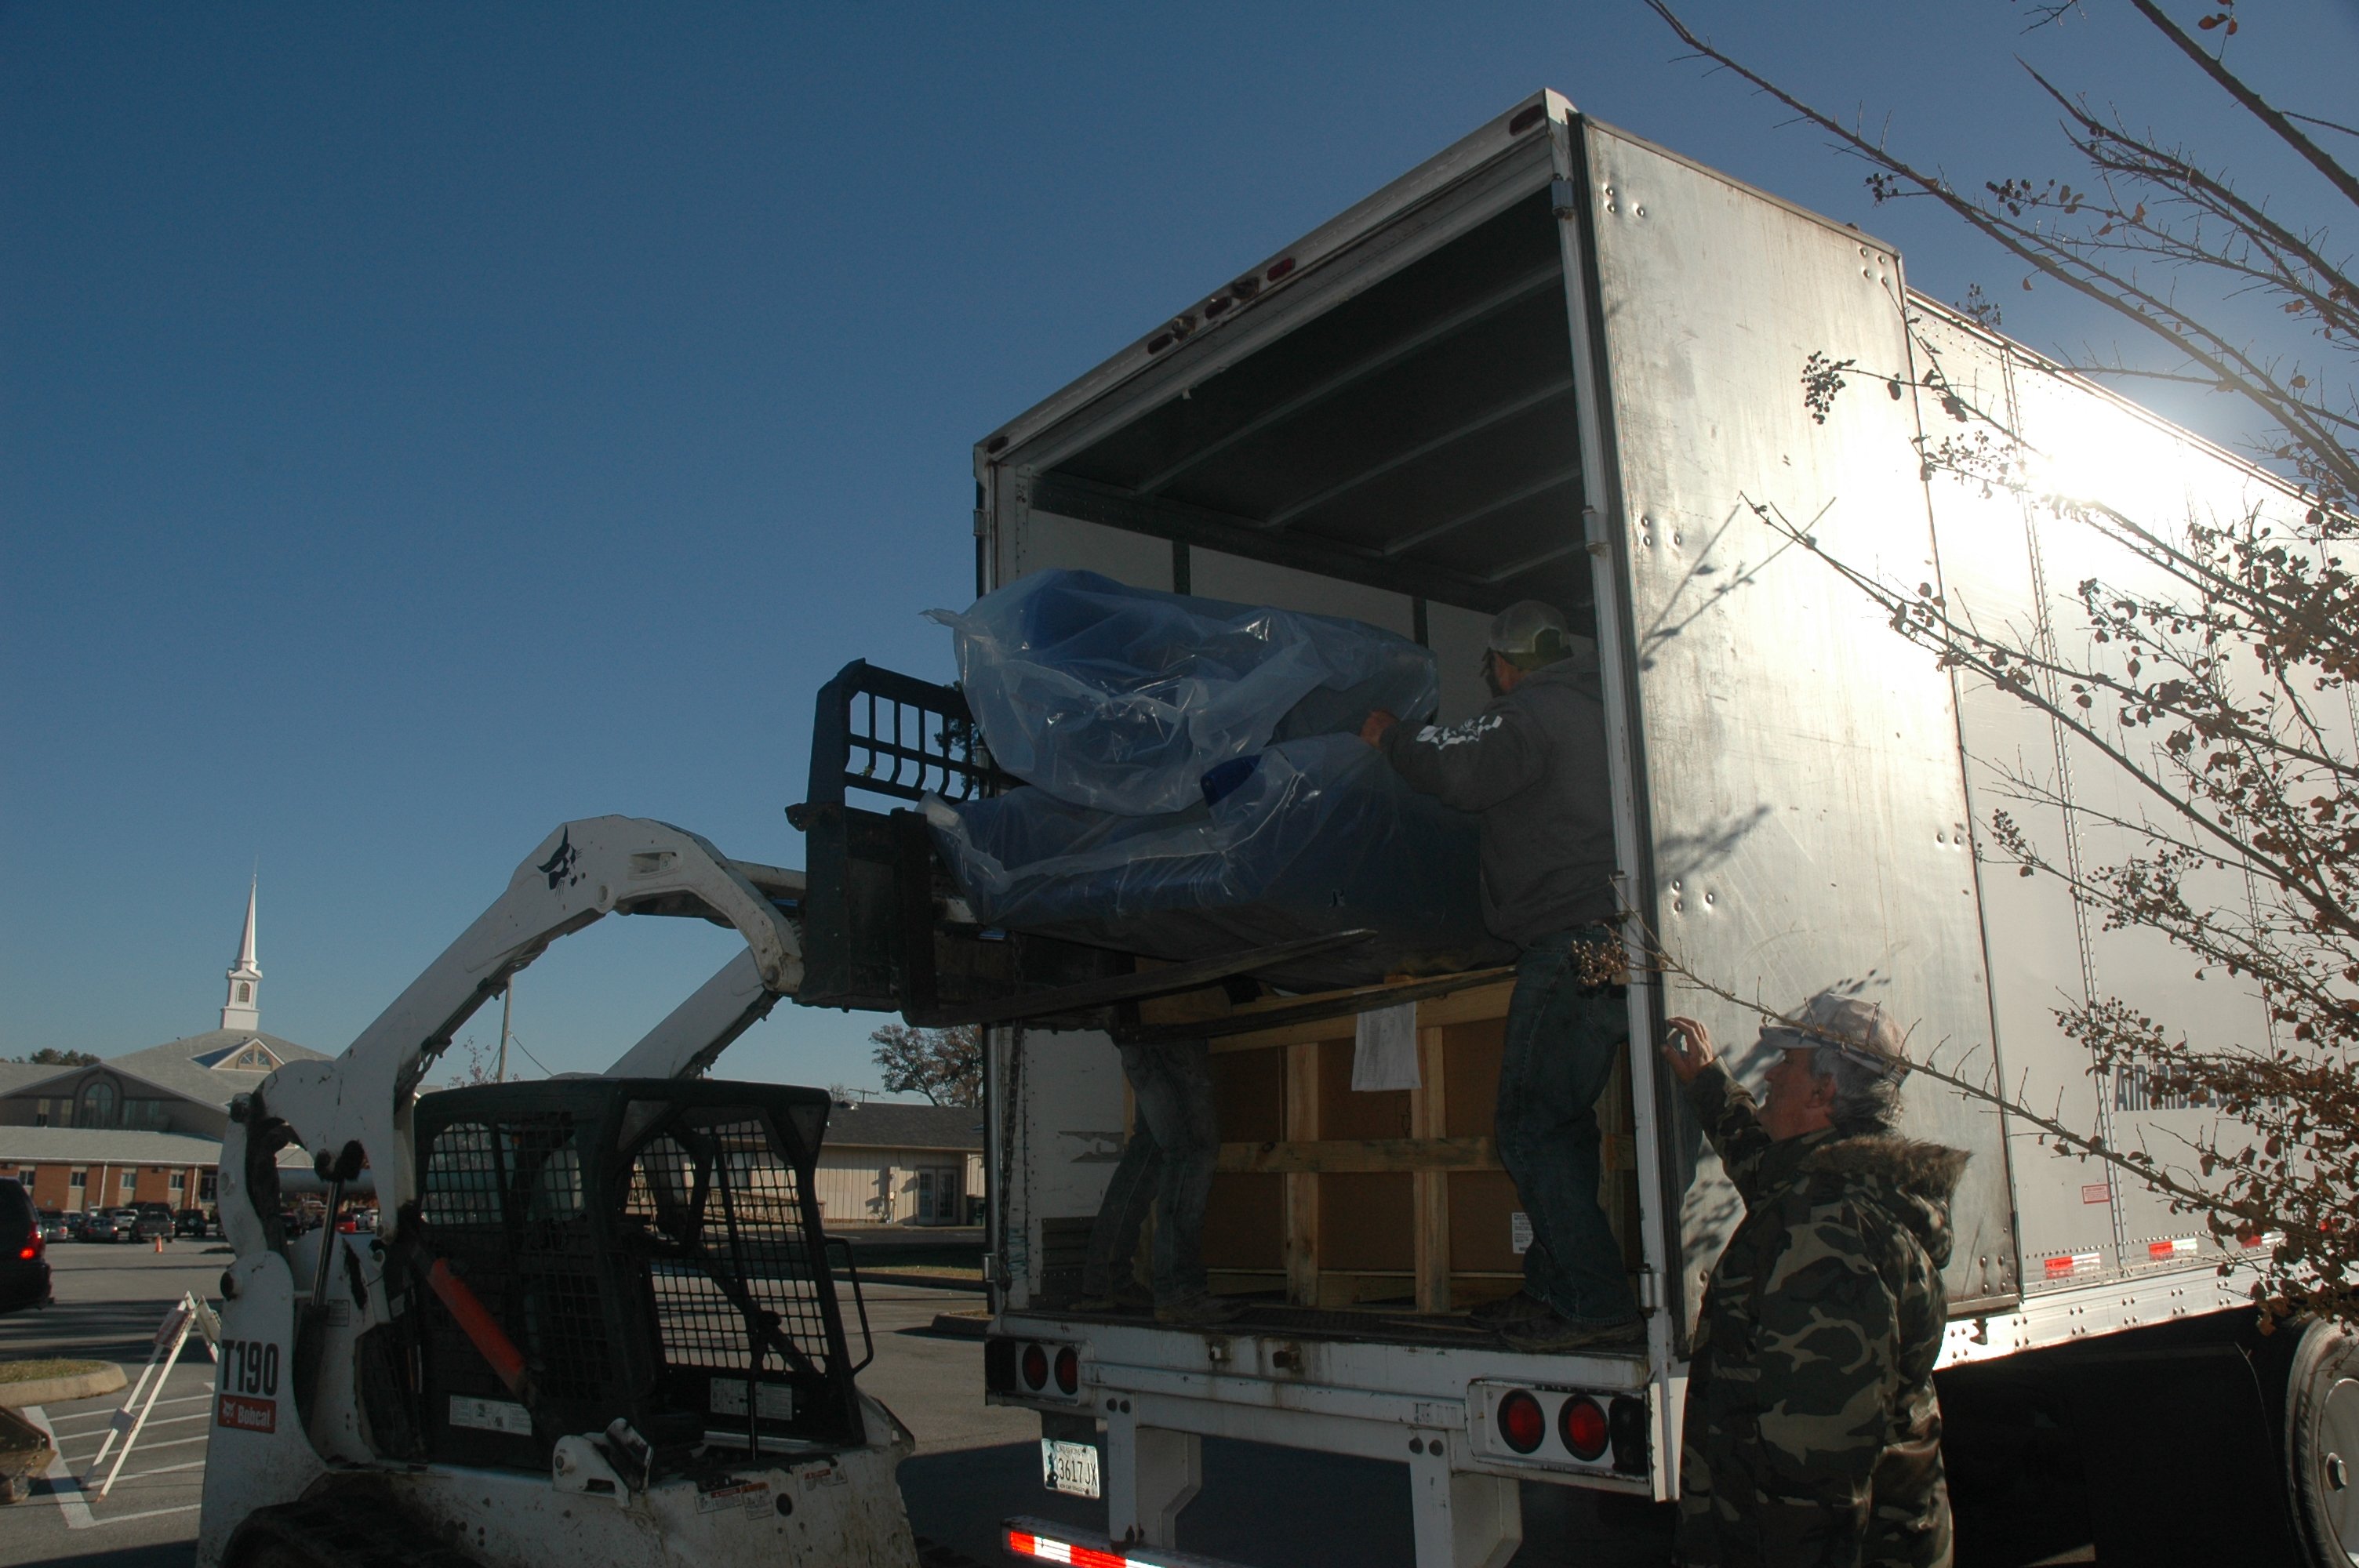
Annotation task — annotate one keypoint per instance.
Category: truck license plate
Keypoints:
(1070, 1467)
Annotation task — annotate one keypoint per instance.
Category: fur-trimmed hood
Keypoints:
(1911, 1181)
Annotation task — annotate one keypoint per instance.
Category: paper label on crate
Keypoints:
(775, 1402)
(2096, 1192)
(490, 1415)
(1383, 1050)
(1519, 1232)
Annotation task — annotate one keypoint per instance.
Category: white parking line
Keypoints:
(162, 1470)
(107, 1412)
(152, 1424)
(61, 1476)
(144, 1445)
(150, 1513)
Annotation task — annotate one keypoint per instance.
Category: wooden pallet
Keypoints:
(1343, 1198)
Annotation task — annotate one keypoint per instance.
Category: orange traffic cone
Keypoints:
(159, 1243)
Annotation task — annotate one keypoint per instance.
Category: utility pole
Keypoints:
(507, 1011)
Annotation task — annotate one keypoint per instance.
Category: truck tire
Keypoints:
(2321, 1445)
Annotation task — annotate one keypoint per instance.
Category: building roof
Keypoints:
(884, 1125)
(90, 1146)
(15, 1075)
(194, 1066)
(101, 1146)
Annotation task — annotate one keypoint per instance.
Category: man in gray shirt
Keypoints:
(1533, 764)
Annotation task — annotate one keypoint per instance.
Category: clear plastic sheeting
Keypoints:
(1122, 699)
(1319, 835)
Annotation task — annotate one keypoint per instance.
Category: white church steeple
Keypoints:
(242, 1010)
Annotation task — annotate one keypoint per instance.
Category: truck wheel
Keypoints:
(2322, 1444)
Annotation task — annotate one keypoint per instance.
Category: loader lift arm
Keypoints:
(581, 872)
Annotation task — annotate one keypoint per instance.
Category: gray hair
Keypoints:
(1867, 1092)
(1854, 1044)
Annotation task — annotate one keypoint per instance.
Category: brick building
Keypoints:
(144, 1128)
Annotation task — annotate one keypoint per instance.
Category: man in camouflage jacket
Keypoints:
(1812, 1432)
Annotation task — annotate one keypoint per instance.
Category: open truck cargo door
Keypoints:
(1801, 817)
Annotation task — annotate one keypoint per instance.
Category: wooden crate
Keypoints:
(1342, 1198)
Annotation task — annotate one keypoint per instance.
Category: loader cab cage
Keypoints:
(653, 1250)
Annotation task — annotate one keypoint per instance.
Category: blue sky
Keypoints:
(422, 425)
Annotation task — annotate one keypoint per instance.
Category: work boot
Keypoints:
(1553, 1333)
(1518, 1308)
(1198, 1311)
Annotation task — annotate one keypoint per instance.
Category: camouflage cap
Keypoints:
(1861, 1029)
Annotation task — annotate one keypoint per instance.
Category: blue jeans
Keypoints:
(1560, 1046)
(1168, 1163)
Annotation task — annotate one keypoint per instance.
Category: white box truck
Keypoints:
(1557, 362)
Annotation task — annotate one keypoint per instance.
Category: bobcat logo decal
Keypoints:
(559, 867)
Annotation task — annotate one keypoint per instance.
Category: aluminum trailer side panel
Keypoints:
(2016, 564)
(1800, 773)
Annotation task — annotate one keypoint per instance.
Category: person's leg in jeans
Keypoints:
(1114, 1238)
(1560, 1051)
(1175, 1100)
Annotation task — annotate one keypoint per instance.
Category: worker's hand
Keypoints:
(1687, 1047)
(1376, 726)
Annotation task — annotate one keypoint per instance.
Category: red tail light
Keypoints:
(30, 1250)
(1024, 1543)
(1036, 1368)
(1521, 1424)
(1069, 1370)
(1582, 1424)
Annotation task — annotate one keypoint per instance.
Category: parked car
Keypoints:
(112, 1224)
(24, 1269)
(191, 1222)
(151, 1221)
(55, 1225)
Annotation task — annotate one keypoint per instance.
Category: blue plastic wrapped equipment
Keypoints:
(1320, 835)
(1122, 699)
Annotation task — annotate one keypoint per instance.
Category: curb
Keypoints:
(58, 1391)
(960, 1324)
(921, 1282)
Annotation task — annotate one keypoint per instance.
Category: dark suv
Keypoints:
(23, 1270)
(189, 1222)
(154, 1219)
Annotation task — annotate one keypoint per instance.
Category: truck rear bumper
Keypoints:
(1430, 1407)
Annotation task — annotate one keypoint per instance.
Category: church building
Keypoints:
(146, 1127)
